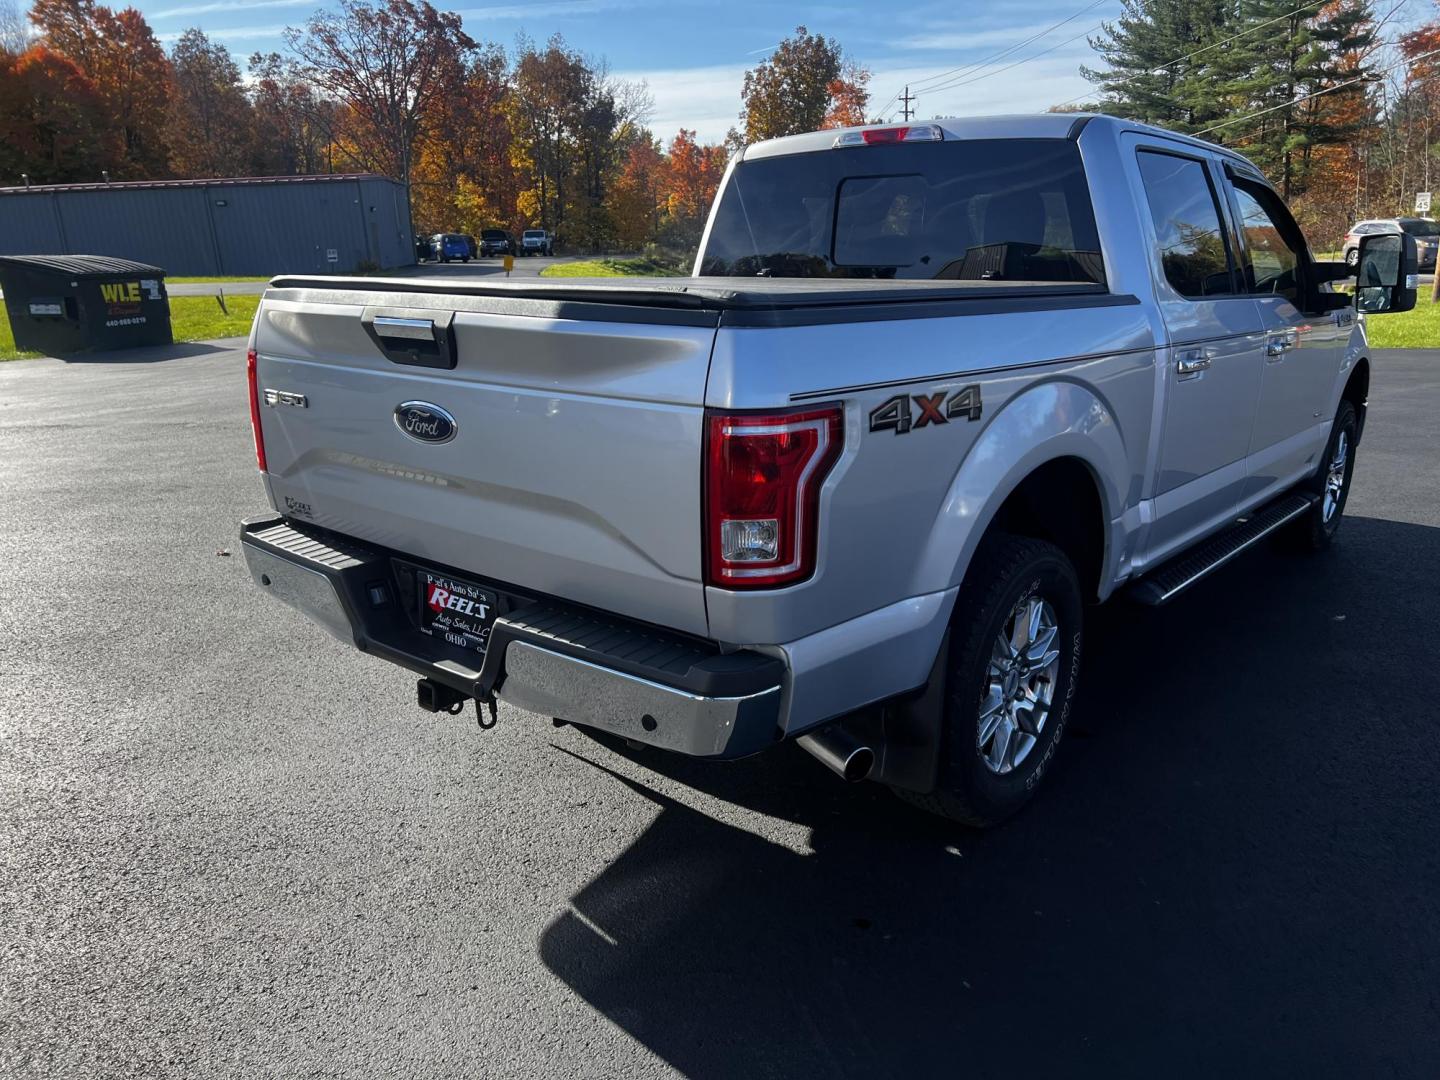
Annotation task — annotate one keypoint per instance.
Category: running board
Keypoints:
(1174, 577)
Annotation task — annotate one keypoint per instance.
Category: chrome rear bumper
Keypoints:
(544, 657)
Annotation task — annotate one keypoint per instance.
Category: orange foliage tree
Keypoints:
(52, 120)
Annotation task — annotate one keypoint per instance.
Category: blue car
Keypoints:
(447, 246)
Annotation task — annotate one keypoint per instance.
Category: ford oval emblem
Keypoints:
(425, 422)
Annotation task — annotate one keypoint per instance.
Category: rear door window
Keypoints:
(1011, 210)
(1193, 250)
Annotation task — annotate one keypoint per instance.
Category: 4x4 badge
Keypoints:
(898, 413)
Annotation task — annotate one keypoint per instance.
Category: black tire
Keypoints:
(1352, 257)
(1007, 571)
(1315, 530)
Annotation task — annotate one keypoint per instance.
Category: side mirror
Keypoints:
(1388, 274)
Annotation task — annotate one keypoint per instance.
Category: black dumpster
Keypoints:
(62, 304)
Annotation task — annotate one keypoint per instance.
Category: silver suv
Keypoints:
(1425, 230)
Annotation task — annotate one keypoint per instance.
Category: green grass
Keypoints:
(1417, 329)
(192, 318)
(611, 268)
(209, 280)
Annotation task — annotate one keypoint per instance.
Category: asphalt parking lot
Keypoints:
(231, 847)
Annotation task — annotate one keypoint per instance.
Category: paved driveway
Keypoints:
(231, 847)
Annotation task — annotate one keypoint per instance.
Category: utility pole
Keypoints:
(906, 111)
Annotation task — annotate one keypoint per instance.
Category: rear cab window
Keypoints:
(1011, 210)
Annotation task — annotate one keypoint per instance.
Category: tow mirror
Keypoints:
(1387, 274)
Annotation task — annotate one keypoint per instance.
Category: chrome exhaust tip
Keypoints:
(840, 752)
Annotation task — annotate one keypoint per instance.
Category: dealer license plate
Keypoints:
(458, 611)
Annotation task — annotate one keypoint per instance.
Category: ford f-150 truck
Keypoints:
(930, 391)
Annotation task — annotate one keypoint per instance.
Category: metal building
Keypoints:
(260, 226)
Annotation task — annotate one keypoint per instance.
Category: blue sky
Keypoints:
(693, 53)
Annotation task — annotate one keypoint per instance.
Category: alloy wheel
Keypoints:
(1335, 478)
(1020, 685)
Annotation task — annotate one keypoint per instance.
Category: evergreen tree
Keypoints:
(1284, 59)
(1160, 57)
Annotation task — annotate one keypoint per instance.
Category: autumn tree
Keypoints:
(133, 77)
(692, 177)
(119, 54)
(793, 90)
(70, 28)
(549, 93)
(390, 64)
(849, 95)
(636, 197)
(14, 28)
(463, 175)
(293, 125)
(210, 133)
(52, 120)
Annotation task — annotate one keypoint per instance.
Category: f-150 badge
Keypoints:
(899, 413)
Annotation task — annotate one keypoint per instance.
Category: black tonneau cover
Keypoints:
(747, 301)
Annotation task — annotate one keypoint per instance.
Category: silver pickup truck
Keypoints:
(929, 392)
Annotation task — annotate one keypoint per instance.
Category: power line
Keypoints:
(908, 97)
(1367, 77)
(998, 71)
(967, 68)
(991, 59)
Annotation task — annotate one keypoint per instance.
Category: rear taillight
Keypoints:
(253, 378)
(763, 474)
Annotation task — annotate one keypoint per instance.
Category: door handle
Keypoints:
(1193, 361)
(1279, 342)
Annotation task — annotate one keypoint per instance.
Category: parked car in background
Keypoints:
(447, 246)
(422, 248)
(496, 242)
(472, 245)
(537, 242)
(1425, 230)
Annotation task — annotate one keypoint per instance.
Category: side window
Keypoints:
(1272, 243)
(1187, 224)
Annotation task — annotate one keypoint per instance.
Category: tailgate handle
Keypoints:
(390, 326)
(415, 338)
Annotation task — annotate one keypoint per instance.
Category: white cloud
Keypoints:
(225, 5)
(705, 99)
(233, 33)
(539, 8)
(963, 40)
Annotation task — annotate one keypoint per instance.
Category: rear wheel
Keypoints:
(1012, 678)
(1352, 257)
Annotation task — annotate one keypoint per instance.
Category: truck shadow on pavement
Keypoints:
(1232, 870)
(149, 354)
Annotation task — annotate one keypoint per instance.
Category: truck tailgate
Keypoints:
(574, 467)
